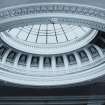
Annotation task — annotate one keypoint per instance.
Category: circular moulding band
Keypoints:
(44, 48)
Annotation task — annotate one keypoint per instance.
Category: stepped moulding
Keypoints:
(52, 43)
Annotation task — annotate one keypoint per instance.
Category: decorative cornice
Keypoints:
(52, 8)
(90, 14)
(55, 75)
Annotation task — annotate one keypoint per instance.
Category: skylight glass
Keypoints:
(49, 33)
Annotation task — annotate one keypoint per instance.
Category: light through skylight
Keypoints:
(49, 33)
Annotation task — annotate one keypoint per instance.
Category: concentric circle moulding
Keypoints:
(27, 30)
(44, 12)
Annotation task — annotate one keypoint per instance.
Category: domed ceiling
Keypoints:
(48, 38)
(48, 46)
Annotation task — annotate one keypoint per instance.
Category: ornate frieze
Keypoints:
(52, 8)
(35, 10)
